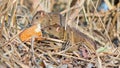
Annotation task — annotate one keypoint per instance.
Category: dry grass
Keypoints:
(95, 42)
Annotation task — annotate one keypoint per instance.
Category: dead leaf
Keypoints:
(28, 33)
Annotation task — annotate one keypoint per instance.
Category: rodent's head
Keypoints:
(39, 17)
(48, 19)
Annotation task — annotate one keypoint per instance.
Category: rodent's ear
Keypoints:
(42, 14)
(39, 13)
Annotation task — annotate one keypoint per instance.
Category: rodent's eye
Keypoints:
(50, 28)
(36, 17)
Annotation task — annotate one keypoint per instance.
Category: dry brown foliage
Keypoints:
(91, 38)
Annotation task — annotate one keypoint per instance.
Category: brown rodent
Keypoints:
(48, 19)
(50, 22)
